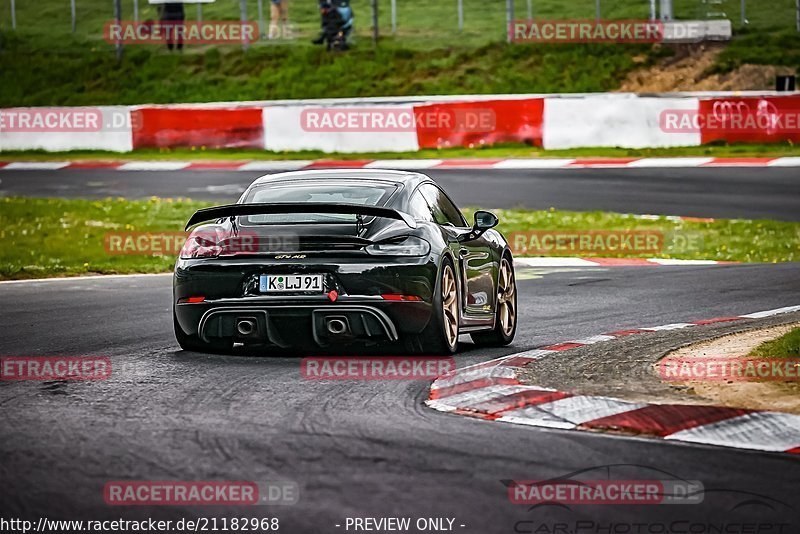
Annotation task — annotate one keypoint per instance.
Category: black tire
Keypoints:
(433, 339)
(498, 336)
(195, 344)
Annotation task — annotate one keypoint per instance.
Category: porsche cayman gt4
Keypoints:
(316, 260)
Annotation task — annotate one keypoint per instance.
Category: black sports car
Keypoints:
(317, 260)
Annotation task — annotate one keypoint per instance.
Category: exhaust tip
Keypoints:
(336, 326)
(245, 327)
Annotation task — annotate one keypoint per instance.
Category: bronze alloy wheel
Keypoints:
(505, 323)
(507, 301)
(450, 305)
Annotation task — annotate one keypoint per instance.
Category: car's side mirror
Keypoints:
(484, 220)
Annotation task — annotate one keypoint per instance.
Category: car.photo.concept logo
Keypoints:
(565, 504)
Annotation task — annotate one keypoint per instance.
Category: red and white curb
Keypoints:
(404, 164)
(491, 391)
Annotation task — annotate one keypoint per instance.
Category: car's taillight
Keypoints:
(392, 296)
(408, 246)
(191, 300)
(201, 244)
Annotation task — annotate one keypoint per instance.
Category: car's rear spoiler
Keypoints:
(235, 210)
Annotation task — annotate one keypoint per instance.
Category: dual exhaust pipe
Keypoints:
(335, 326)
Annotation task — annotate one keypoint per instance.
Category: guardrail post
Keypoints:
(262, 26)
(375, 33)
(509, 19)
(118, 19)
(666, 10)
(243, 16)
(13, 15)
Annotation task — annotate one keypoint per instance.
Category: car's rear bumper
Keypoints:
(286, 325)
(230, 295)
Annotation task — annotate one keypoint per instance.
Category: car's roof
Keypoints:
(382, 175)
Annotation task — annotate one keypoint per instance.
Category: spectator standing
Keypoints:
(173, 18)
(278, 19)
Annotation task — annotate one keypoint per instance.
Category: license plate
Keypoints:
(285, 283)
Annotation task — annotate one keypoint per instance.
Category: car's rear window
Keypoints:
(362, 193)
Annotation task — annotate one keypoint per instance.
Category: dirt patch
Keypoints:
(778, 396)
(624, 368)
(687, 70)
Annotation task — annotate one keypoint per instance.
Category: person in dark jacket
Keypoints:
(172, 18)
(335, 27)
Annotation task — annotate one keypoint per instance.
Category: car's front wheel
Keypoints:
(505, 323)
(195, 344)
(441, 334)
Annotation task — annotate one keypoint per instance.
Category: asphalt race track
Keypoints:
(753, 193)
(370, 448)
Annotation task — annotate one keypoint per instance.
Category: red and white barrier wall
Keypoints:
(409, 124)
(62, 129)
(169, 127)
(610, 120)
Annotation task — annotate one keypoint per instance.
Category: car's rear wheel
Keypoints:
(441, 334)
(195, 344)
(505, 324)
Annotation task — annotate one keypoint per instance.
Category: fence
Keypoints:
(415, 23)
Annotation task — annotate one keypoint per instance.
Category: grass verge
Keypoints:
(42, 238)
(786, 346)
(428, 54)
